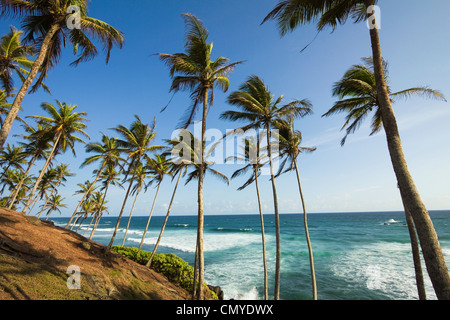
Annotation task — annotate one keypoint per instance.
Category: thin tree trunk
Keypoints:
(120, 214)
(90, 223)
(129, 218)
(308, 240)
(416, 256)
(19, 186)
(97, 220)
(266, 289)
(149, 216)
(277, 221)
(194, 284)
(44, 169)
(431, 249)
(149, 262)
(12, 114)
(99, 212)
(200, 223)
(87, 192)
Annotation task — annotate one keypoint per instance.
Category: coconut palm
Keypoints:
(48, 25)
(86, 189)
(289, 145)
(330, 13)
(260, 110)
(158, 168)
(36, 147)
(61, 171)
(14, 59)
(55, 204)
(108, 153)
(12, 157)
(254, 160)
(46, 184)
(357, 93)
(61, 125)
(196, 72)
(137, 143)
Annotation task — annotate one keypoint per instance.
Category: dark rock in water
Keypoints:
(217, 290)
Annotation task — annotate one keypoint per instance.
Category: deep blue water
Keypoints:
(356, 255)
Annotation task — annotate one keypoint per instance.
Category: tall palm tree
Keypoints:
(46, 184)
(158, 167)
(289, 145)
(196, 72)
(254, 160)
(261, 110)
(14, 58)
(357, 93)
(36, 147)
(330, 13)
(62, 124)
(86, 189)
(12, 157)
(46, 23)
(137, 142)
(108, 153)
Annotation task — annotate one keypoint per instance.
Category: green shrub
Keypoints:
(173, 267)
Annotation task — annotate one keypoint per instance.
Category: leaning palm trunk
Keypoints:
(120, 214)
(416, 256)
(149, 262)
(13, 196)
(86, 193)
(277, 220)
(266, 289)
(432, 252)
(7, 124)
(149, 217)
(129, 218)
(99, 212)
(90, 223)
(308, 240)
(44, 169)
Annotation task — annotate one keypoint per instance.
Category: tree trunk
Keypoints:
(120, 214)
(201, 255)
(12, 114)
(99, 212)
(277, 221)
(149, 216)
(416, 256)
(90, 223)
(266, 289)
(86, 193)
(308, 240)
(13, 196)
(129, 218)
(149, 262)
(428, 238)
(44, 169)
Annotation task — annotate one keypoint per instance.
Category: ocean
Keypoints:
(357, 256)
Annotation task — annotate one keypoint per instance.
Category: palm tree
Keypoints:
(61, 125)
(62, 171)
(55, 204)
(261, 110)
(12, 157)
(36, 147)
(46, 24)
(137, 142)
(86, 189)
(254, 159)
(46, 184)
(14, 59)
(196, 72)
(108, 152)
(330, 13)
(158, 168)
(357, 93)
(290, 148)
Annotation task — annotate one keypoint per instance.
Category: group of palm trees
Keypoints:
(363, 90)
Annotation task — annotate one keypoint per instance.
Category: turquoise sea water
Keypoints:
(358, 256)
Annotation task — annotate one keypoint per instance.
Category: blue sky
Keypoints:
(357, 177)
